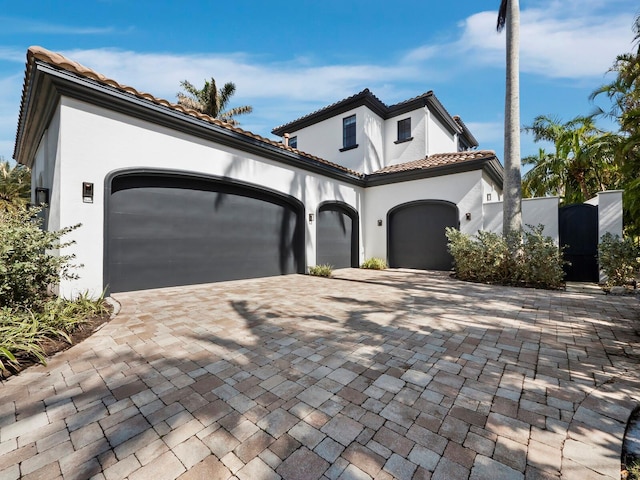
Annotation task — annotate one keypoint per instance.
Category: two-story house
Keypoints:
(170, 196)
(365, 135)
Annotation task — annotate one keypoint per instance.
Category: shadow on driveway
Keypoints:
(393, 374)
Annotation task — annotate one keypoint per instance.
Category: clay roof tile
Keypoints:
(61, 62)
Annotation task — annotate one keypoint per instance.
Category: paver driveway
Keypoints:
(394, 374)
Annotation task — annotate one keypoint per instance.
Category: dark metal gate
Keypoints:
(578, 225)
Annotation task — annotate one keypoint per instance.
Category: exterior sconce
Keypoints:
(468, 215)
(87, 192)
(379, 223)
(488, 197)
(311, 218)
(42, 196)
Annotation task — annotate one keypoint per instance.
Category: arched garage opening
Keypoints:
(416, 234)
(166, 229)
(337, 236)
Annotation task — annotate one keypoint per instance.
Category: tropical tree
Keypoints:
(583, 163)
(509, 17)
(15, 186)
(624, 94)
(211, 100)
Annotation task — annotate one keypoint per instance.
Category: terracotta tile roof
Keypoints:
(61, 62)
(438, 160)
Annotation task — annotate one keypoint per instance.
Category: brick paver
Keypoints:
(393, 374)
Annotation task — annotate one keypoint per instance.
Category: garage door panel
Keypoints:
(337, 237)
(417, 236)
(164, 233)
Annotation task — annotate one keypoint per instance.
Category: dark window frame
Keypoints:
(404, 130)
(293, 142)
(349, 133)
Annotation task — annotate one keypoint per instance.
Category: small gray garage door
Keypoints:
(417, 234)
(337, 236)
(165, 230)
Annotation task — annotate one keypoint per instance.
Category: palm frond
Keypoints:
(502, 15)
(211, 100)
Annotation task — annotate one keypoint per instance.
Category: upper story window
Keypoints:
(349, 133)
(404, 130)
(293, 142)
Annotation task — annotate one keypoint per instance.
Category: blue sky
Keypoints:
(290, 58)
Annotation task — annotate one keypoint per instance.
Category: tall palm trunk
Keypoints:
(512, 188)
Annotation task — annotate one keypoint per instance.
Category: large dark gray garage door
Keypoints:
(417, 234)
(337, 236)
(166, 230)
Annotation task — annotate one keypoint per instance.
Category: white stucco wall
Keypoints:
(373, 142)
(375, 138)
(45, 175)
(439, 139)
(535, 211)
(610, 216)
(94, 142)
(324, 139)
(415, 149)
(463, 189)
(489, 187)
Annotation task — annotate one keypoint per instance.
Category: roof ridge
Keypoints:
(60, 61)
(361, 93)
(426, 94)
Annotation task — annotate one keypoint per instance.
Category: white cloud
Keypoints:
(487, 132)
(9, 54)
(160, 74)
(553, 43)
(20, 25)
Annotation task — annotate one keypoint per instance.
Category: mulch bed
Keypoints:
(55, 345)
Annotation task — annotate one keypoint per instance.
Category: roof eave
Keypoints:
(487, 164)
(65, 83)
(365, 98)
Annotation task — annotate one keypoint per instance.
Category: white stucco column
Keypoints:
(610, 213)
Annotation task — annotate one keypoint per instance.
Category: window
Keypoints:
(349, 133)
(404, 130)
(293, 142)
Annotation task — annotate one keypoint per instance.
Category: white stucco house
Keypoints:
(169, 196)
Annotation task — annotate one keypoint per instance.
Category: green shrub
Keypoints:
(23, 331)
(619, 259)
(486, 258)
(27, 268)
(541, 263)
(321, 270)
(374, 263)
(483, 258)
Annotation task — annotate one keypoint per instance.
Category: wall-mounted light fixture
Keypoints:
(87, 192)
(42, 196)
(468, 215)
(311, 218)
(488, 197)
(379, 223)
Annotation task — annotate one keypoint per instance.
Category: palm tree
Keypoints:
(583, 164)
(624, 94)
(15, 186)
(509, 17)
(211, 100)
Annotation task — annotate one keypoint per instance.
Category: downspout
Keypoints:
(286, 139)
(427, 143)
